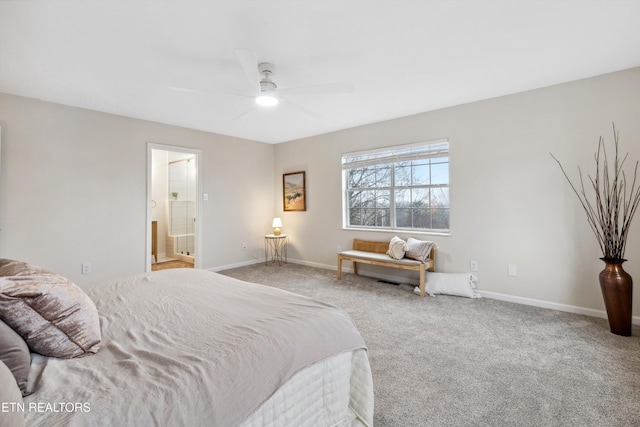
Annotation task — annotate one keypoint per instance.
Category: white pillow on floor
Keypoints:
(456, 284)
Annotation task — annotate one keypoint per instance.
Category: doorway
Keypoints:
(173, 195)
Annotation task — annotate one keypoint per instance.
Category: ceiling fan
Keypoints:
(267, 93)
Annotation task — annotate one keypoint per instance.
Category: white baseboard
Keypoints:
(314, 264)
(235, 265)
(551, 305)
(261, 260)
(485, 294)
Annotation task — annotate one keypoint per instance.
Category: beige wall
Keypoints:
(73, 189)
(510, 203)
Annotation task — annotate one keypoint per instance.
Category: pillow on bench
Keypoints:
(396, 248)
(412, 249)
(418, 249)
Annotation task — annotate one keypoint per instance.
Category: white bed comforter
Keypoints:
(190, 347)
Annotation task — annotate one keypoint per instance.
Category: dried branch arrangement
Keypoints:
(615, 201)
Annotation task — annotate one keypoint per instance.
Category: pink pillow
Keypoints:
(53, 315)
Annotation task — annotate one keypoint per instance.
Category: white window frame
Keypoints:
(389, 156)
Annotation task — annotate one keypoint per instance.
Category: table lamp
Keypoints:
(277, 223)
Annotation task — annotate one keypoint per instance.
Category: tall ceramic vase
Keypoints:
(617, 291)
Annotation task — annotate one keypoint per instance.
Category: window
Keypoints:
(398, 188)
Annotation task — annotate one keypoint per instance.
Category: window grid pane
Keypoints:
(411, 194)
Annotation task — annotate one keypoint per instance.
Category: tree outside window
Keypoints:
(403, 187)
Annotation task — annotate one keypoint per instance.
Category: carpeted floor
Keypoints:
(451, 361)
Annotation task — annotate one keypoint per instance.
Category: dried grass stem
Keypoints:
(615, 203)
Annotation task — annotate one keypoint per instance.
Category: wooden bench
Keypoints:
(375, 253)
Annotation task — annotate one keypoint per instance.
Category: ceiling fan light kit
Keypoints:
(266, 100)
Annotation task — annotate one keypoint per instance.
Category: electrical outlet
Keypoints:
(339, 249)
(473, 265)
(512, 270)
(244, 245)
(86, 268)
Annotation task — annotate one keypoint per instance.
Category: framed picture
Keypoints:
(294, 192)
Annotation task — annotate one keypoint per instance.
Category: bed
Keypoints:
(193, 347)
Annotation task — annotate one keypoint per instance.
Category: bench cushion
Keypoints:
(379, 257)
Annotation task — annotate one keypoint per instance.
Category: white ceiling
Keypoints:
(401, 57)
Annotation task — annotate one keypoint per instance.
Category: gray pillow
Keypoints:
(15, 354)
(11, 397)
(53, 315)
(418, 249)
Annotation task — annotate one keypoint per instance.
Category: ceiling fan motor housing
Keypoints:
(266, 67)
(266, 84)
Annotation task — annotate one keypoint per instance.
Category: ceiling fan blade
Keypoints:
(241, 115)
(305, 111)
(205, 92)
(186, 89)
(249, 61)
(329, 88)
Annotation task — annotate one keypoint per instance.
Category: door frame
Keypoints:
(198, 231)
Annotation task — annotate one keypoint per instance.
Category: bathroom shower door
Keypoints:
(182, 205)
